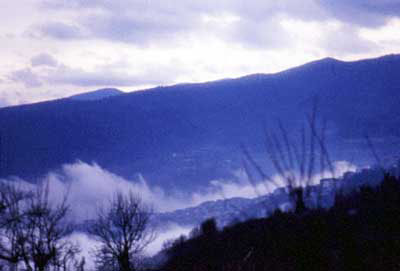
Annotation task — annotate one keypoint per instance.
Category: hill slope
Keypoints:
(360, 232)
(186, 135)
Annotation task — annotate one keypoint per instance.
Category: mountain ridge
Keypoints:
(96, 94)
(193, 131)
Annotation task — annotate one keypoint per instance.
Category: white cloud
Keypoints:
(386, 36)
(242, 187)
(169, 232)
(87, 246)
(89, 186)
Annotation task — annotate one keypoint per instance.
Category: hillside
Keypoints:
(192, 131)
(360, 232)
(227, 211)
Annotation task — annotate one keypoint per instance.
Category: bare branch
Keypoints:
(123, 230)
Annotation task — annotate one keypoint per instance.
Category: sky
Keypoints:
(56, 48)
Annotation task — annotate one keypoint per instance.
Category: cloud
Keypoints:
(86, 244)
(27, 77)
(144, 23)
(53, 79)
(10, 95)
(56, 30)
(142, 28)
(165, 22)
(169, 232)
(88, 186)
(344, 39)
(103, 76)
(163, 42)
(240, 186)
(368, 13)
(134, 21)
(46, 70)
(43, 59)
(264, 34)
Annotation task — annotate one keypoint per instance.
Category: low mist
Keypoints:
(88, 186)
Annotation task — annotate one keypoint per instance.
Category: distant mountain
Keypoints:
(224, 211)
(184, 136)
(228, 211)
(97, 94)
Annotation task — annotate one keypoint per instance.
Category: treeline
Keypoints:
(360, 232)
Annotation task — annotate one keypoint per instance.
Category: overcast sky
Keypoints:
(56, 48)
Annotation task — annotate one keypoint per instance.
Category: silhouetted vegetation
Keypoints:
(296, 161)
(360, 232)
(123, 231)
(35, 232)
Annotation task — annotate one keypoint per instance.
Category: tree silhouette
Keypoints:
(123, 230)
(295, 159)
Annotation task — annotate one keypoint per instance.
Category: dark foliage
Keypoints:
(360, 232)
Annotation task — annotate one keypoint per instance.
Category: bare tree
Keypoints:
(33, 231)
(44, 232)
(124, 231)
(296, 160)
(11, 215)
(66, 259)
